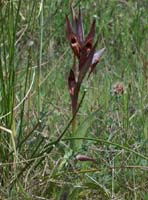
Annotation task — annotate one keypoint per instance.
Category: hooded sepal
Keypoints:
(80, 30)
(87, 46)
(74, 19)
(86, 64)
(96, 60)
(74, 41)
(88, 43)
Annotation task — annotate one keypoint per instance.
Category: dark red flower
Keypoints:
(84, 51)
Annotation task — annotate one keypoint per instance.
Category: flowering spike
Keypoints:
(84, 51)
(71, 82)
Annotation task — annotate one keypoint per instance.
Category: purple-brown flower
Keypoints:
(84, 51)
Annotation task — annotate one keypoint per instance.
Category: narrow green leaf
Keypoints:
(82, 129)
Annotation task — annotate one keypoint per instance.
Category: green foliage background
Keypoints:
(35, 59)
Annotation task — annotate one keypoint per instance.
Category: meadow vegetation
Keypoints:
(40, 156)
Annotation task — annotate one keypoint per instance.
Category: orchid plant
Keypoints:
(84, 52)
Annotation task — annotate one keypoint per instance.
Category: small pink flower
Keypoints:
(118, 89)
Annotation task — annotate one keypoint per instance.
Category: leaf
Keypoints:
(82, 130)
(93, 184)
(146, 196)
(65, 159)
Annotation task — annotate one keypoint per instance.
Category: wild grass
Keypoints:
(37, 160)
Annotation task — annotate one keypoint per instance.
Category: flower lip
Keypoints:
(71, 83)
(73, 40)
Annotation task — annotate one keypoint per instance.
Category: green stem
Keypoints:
(40, 57)
(74, 111)
(73, 126)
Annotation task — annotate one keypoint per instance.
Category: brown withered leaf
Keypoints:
(85, 158)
